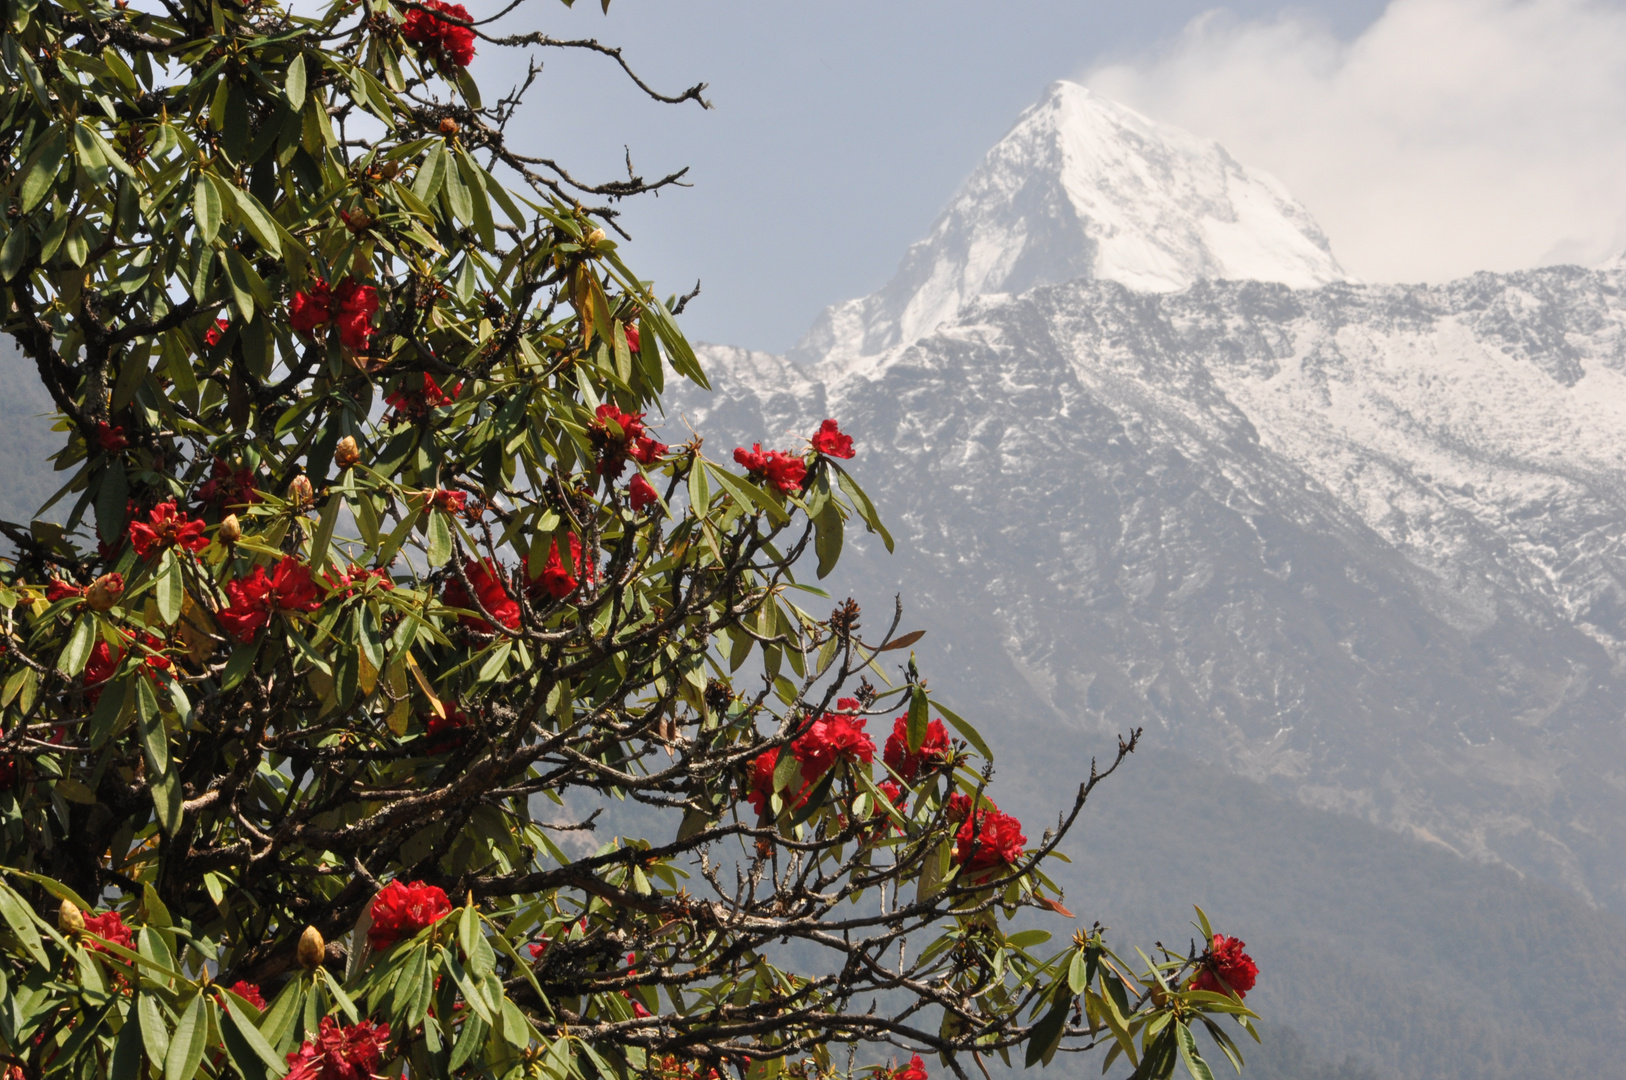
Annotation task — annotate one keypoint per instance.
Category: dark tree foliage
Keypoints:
(375, 576)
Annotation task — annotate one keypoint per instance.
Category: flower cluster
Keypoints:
(830, 442)
(401, 910)
(1226, 967)
(784, 471)
(934, 749)
(249, 992)
(167, 527)
(416, 404)
(641, 494)
(437, 37)
(492, 592)
(340, 1052)
(449, 731)
(915, 1070)
(987, 838)
(110, 437)
(109, 926)
(227, 486)
(617, 436)
(259, 596)
(351, 307)
(831, 738)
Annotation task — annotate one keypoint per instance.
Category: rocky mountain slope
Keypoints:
(1362, 542)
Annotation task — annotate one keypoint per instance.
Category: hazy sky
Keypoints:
(1429, 139)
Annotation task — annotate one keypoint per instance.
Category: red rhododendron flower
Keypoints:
(110, 437)
(988, 838)
(451, 502)
(415, 404)
(915, 1070)
(249, 992)
(312, 308)
(540, 947)
(762, 780)
(934, 750)
(784, 471)
(830, 442)
(227, 486)
(164, 527)
(353, 579)
(619, 435)
(256, 598)
(1227, 967)
(402, 909)
(448, 732)
(104, 660)
(158, 665)
(357, 306)
(340, 1053)
(492, 592)
(833, 737)
(436, 36)
(848, 704)
(958, 807)
(215, 333)
(641, 493)
(556, 580)
(110, 927)
(634, 342)
(61, 590)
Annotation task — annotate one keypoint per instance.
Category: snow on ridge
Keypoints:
(1083, 187)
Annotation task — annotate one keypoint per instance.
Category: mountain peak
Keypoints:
(1083, 187)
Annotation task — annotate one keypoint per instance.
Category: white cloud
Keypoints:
(1451, 136)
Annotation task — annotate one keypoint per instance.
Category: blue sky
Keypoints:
(842, 128)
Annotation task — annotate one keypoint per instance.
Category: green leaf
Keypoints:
(967, 732)
(154, 740)
(748, 494)
(42, 168)
(258, 221)
(430, 174)
(126, 1063)
(166, 800)
(14, 909)
(251, 1035)
(170, 589)
(207, 209)
(293, 83)
(1194, 1062)
(77, 651)
(861, 503)
(439, 547)
(323, 539)
(919, 718)
(827, 537)
(1047, 1032)
(186, 1048)
(14, 251)
(154, 1032)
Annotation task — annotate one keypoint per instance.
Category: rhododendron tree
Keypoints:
(372, 582)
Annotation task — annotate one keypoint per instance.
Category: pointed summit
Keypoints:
(1083, 187)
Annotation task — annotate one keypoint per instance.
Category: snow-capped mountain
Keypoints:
(1365, 543)
(1083, 187)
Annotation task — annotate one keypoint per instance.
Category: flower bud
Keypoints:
(300, 492)
(448, 126)
(594, 238)
(105, 591)
(69, 919)
(231, 530)
(347, 453)
(312, 949)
